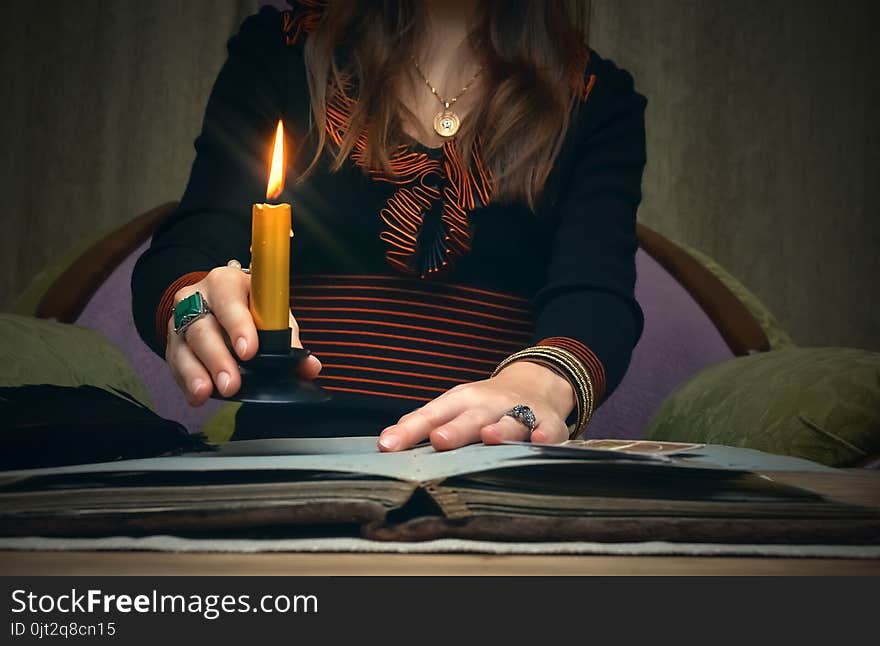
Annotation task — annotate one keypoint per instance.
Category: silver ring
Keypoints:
(524, 415)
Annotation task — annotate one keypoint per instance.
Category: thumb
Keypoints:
(294, 336)
(311, 366)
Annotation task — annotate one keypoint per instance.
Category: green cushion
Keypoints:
(822, 404)
(221, 425)
(35, 351)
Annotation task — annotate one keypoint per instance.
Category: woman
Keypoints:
(468, 174)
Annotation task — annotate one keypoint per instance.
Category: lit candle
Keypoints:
(270, 250)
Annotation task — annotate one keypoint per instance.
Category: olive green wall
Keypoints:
(764, 146)
(101, 101)
(763, 134)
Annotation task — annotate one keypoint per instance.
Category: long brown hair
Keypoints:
(532, 51)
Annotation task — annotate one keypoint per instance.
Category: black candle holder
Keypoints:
(271, 377)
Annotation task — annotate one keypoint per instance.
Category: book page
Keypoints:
(360, 455)
(414, 465)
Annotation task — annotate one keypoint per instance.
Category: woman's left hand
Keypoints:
(474, 412)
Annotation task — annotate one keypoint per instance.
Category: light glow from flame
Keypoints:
(276, 173)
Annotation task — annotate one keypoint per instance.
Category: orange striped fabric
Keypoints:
(401, 337)
(302, 21)
(441, 186)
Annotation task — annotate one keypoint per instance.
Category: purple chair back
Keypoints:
(109, 311)
(678, 341)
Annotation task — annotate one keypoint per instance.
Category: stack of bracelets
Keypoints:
(568, 366)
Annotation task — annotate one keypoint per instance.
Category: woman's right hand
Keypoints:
(202, 357)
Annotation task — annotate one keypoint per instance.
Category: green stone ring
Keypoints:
(188, 311)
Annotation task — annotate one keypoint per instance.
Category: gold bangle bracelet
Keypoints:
(568, 366)
(555, 366)
(582, 376)
(560, 366)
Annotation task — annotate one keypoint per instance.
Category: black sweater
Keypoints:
(404, 287)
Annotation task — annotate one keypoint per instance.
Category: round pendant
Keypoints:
(446, 123)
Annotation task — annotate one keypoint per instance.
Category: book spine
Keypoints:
(447, 499)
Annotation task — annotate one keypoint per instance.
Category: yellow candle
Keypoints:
(270, 266)
(270, 250)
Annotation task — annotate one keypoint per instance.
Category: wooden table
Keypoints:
(856, 486)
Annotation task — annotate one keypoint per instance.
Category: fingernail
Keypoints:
(241, 346)
(443, 435)
(196, 385)
(223, 381)
(389, 442)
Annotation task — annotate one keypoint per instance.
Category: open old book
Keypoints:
(605, 490)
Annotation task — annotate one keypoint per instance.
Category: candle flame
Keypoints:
(276, 173)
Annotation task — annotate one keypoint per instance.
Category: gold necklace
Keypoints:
(446, 122)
